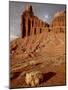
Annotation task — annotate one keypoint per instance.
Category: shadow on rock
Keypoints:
(14, 75)
(48, 76)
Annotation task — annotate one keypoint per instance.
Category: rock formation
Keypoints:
(31, 24)
(58, 23)
(34, 78)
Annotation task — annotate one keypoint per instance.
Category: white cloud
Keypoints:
(46, 16)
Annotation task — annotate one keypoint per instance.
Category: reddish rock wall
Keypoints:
(30, 24)
(58, 23)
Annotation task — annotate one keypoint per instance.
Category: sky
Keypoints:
(43, 10)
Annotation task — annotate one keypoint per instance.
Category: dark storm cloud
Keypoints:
(43, 11)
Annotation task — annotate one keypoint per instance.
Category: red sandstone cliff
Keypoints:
(31, 24)
(58, 23)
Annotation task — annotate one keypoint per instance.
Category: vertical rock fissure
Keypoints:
(29, 23)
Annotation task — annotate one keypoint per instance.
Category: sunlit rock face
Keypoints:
(34, 78)
(31, 24)
(58, 23)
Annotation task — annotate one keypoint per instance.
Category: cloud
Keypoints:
(46, 16)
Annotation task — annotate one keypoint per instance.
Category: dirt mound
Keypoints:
(32, 45)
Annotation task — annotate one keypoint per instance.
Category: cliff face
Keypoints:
(58, 23)
(30, 24)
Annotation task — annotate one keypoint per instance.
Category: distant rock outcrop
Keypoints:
(58, 23)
